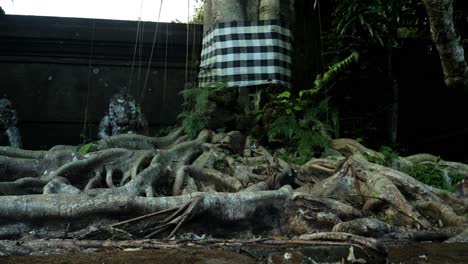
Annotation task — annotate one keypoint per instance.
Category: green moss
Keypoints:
(389, 156)
(86, 148)
(426, 173)
(433, 175)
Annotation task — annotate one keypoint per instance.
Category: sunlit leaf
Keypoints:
(285, 94)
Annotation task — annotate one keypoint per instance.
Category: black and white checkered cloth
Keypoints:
(247, 53)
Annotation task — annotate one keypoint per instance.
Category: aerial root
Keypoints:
(355, 240)
(144, 226)
(183, 213)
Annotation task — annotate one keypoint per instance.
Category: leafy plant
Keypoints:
(303, 122)
(196, 104)
(86, 148)
(434, 175)
(335, 70)
(376, 22)
(199, 13)
(389, 156)
(193, 123)
(297, 121)
(426, 173)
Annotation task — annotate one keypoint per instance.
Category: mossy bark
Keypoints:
(452, 55)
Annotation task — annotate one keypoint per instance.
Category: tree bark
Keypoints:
(219, 11)
(440, 13)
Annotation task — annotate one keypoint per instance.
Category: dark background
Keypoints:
(432, 117)
(45, 71)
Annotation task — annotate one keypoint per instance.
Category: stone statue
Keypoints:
(8, 122)
(122, 117)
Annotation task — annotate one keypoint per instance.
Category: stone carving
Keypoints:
(8, 124)
(123, 117)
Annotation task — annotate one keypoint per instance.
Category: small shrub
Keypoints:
(86, 148)
(389, 156)
(434, 175)
(196, 104)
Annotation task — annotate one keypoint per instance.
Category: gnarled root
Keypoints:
(377, 188)
(221, 207)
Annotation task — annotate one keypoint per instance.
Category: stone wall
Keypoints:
(56, 69)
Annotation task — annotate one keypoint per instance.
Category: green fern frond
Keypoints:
(309, 119)
(335, 70)
(323, 106)
(284, 127)
(192, 123)
(308, 141)
(196, 103)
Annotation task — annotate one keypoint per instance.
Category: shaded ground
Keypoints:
(433, 253)
(188, 256)
(429, 253)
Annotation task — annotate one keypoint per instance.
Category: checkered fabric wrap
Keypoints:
(247, 53)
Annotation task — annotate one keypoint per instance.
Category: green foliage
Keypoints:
(334, 71)
(193, 123)
(456, 178)
(283, 126)
(434, 175)
(196, 104)
(86, 147)
(297, 121)
(389, 156)
(138, 109)
(303, 122)
(364, 22)
(199, 13)
(426, 173)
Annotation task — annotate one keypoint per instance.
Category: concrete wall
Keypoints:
(53, 69)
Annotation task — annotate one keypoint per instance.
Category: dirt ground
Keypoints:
(422, 253)
(188, 256)
(433, 253)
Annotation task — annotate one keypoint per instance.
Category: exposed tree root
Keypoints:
(132, 186)
(346, 237)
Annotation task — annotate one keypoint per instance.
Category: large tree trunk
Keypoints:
(440, 13)
(218, 11)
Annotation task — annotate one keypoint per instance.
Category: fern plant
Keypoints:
(196, 102)
(298, 124)
(335, 70)
(302, 122)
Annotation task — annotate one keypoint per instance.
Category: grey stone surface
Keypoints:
(124, 116)
(48, 70)
(8, 124)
